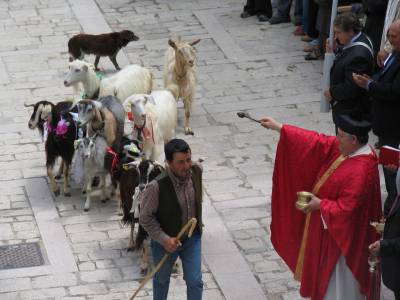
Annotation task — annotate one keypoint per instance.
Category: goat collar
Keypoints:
(148, 133)
(114, 164)
(94, 96)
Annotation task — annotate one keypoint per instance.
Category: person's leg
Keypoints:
(190, 254)
(397, 295)
(306, 13)
(283, 12)
(248, 9)
(263, 7)
(284, 8)
(162, 277)
(298, 13)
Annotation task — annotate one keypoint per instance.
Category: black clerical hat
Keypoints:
(353, 124)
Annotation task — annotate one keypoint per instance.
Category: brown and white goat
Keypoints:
(180, 70)
(106, 44)
(61, 132)
(106, 115)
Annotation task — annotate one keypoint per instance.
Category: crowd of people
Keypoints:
(312, 20)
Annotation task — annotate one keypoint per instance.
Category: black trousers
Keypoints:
(283, 7)
(390, 176)
(258, 7)
(397, 295)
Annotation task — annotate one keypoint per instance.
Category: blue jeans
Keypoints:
(190, 254)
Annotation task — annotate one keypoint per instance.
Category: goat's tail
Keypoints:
(174, 89)
(140, 237)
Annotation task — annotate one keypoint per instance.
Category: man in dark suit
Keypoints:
(389, 249)
(384, 91)
(353, 54)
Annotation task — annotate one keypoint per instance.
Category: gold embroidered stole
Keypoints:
(300, 259)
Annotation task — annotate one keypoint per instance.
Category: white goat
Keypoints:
(92, 150)
(180, 69)
(154, 117)
(133, 79)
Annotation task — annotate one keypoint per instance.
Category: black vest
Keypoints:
(169, 212)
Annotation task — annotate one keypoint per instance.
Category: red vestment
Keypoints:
(350, 200)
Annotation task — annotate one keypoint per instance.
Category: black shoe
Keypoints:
(245, 15)
(277, 19)
(262, 18)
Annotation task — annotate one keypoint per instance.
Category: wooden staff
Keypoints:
(188, 228)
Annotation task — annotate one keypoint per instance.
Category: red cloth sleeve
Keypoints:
(299, 158)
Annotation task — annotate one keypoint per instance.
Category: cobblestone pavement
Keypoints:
(243, 65)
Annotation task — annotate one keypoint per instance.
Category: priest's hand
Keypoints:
(171, 244)
(314, 204)
(270, 123)
(375, 247)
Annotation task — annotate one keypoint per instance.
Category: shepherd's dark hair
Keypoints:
(175, 146)
(348, 22)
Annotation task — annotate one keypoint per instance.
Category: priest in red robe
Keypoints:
(326, 244)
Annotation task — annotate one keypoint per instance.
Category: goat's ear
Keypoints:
(77, 143)
(150, 99)
(172, 43)
(127, 104)
(192, 43)
(96, 104)
(46, 110)
(29, 105)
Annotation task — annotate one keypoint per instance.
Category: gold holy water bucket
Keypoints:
(302, 199)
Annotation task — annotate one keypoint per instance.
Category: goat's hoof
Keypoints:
(105, 200)
(86, 209)
(130, 249)
(189, 131)
(67, 194)
(143, 271)
(56, 193)
(120, 214)
(84, 192)
(57, 177)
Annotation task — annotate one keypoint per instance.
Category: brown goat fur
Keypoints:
(106, 44)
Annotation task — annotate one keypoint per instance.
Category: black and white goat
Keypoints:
(124, 178)
(59, 131)
(138, 175)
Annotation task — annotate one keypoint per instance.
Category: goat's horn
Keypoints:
(72, 106)
(29, 105)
